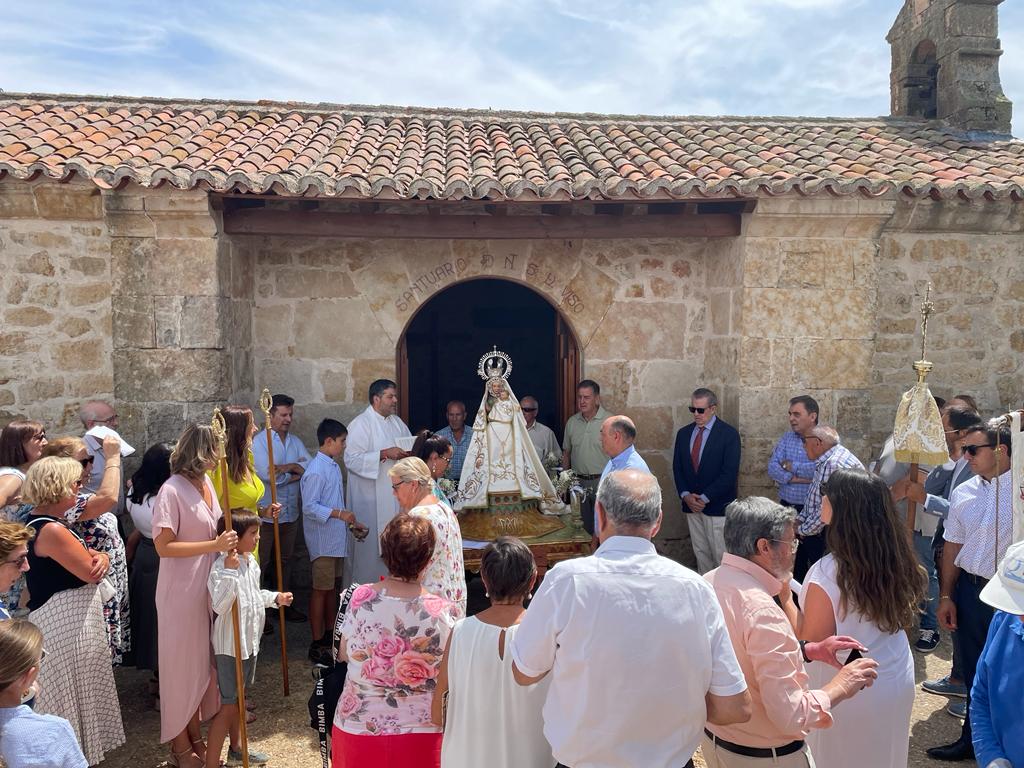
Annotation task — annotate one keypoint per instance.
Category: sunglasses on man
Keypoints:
(972, 450)
(694, 409)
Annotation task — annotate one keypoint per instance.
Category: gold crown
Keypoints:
(494, 364)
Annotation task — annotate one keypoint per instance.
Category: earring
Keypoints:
(487, 594)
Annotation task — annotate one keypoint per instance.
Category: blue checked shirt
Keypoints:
(459, 449)
(809, 518)
(291, 451)
(791, 448)
(323, 492)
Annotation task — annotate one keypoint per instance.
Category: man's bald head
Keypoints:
(617, 434)
(630, 502)
(820, 440)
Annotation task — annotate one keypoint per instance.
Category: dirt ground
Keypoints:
(282, 728)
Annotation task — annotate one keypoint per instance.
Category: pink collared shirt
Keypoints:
(784, 710)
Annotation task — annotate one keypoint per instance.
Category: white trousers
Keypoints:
(707, 537)
(717, 757)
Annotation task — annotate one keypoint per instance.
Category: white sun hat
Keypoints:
(1005, 591)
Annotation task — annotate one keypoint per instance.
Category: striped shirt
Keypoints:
(809, 518)
(974, 523)
(791, 448)
(322, 493)
(291, 451)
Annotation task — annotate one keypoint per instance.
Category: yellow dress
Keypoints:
(245, 495)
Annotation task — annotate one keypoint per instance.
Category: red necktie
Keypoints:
(695, 450)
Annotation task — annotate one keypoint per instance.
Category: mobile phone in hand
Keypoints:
(854, 655)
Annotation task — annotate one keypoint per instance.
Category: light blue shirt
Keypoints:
(290, 451)
(323, 492)
(31, 740)
(997, 708)
(628, 459)
(459, 449)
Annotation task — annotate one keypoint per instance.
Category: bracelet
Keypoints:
(803, 651)
(945, 597)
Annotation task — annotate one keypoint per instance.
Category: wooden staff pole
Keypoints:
(911, 504)
(220, 433)
(266, 403)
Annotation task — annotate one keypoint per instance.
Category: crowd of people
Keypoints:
(786, 646)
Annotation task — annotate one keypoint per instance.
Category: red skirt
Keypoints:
(409, 750)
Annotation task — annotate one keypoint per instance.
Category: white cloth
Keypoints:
(890, 470)
(488, 712)
(634, 642)
(501, 457)
(369, 487)
(544, 441)
(973, 522)
(872, 728)
(225, 584)
(142, 515)
(289, 451)
(707, 537)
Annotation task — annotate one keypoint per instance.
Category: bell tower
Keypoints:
(945, 64)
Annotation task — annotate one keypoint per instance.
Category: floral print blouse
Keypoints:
(446, 571)
(394, 647)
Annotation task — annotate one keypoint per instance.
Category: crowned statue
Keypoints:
(504, 488)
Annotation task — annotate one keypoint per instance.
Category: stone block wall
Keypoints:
(55, 316)
(329, 313)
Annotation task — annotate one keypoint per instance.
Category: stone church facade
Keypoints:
(176, 256)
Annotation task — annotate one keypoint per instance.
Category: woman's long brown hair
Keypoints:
(876, 566)
(238, 420)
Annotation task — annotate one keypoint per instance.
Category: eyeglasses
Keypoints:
(40, 437)
(17, 562)
(693, 409)
(86, 462)
(529, 410)
(106, 420)
(792, 544)
(42, 655)
(950, 431)
(396, 486)
(446, 459)
(972, 450)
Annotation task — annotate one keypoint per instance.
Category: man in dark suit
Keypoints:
(706, 464)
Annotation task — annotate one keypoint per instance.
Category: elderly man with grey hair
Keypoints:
(824, 448)
(635, 643)
(753, 588)
(97, 413)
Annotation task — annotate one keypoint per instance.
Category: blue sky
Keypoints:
(713, 57)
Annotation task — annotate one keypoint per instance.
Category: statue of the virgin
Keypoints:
(502, 474)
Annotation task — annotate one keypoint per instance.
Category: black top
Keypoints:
(46, 577)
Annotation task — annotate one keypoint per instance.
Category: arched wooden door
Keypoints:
(437, 353)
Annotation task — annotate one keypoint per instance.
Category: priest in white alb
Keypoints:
(371, 450)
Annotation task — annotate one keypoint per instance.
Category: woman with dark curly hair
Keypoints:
(869, 587)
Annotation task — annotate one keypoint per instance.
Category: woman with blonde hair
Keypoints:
(14, 538)
(185, 517)
(869, 587)
(92, 519)
(66, 595)
(27, 738)
(413, 486)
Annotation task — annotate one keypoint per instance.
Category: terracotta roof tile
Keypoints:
(364, 152)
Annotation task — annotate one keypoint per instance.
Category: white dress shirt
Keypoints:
(289, 451)
(634, 642)
(973, 522)
(225, 584)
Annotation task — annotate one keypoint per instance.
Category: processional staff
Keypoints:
(220, 435)
(266, 403)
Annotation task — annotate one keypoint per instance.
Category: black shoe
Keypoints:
(927, 640)
(958, 750)
(319, 654)
(293, 614)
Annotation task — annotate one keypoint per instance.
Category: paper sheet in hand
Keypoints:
(94, 439)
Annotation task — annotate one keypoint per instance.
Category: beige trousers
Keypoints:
(717, 757)
(707, 537)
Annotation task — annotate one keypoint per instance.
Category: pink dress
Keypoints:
(187, 675)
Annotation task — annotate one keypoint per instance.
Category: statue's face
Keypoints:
(496, 387)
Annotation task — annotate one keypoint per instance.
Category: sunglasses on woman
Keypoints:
(86, 461)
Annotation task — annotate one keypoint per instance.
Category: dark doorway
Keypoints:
(440, 350)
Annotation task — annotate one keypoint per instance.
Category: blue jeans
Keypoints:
(926, 556)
